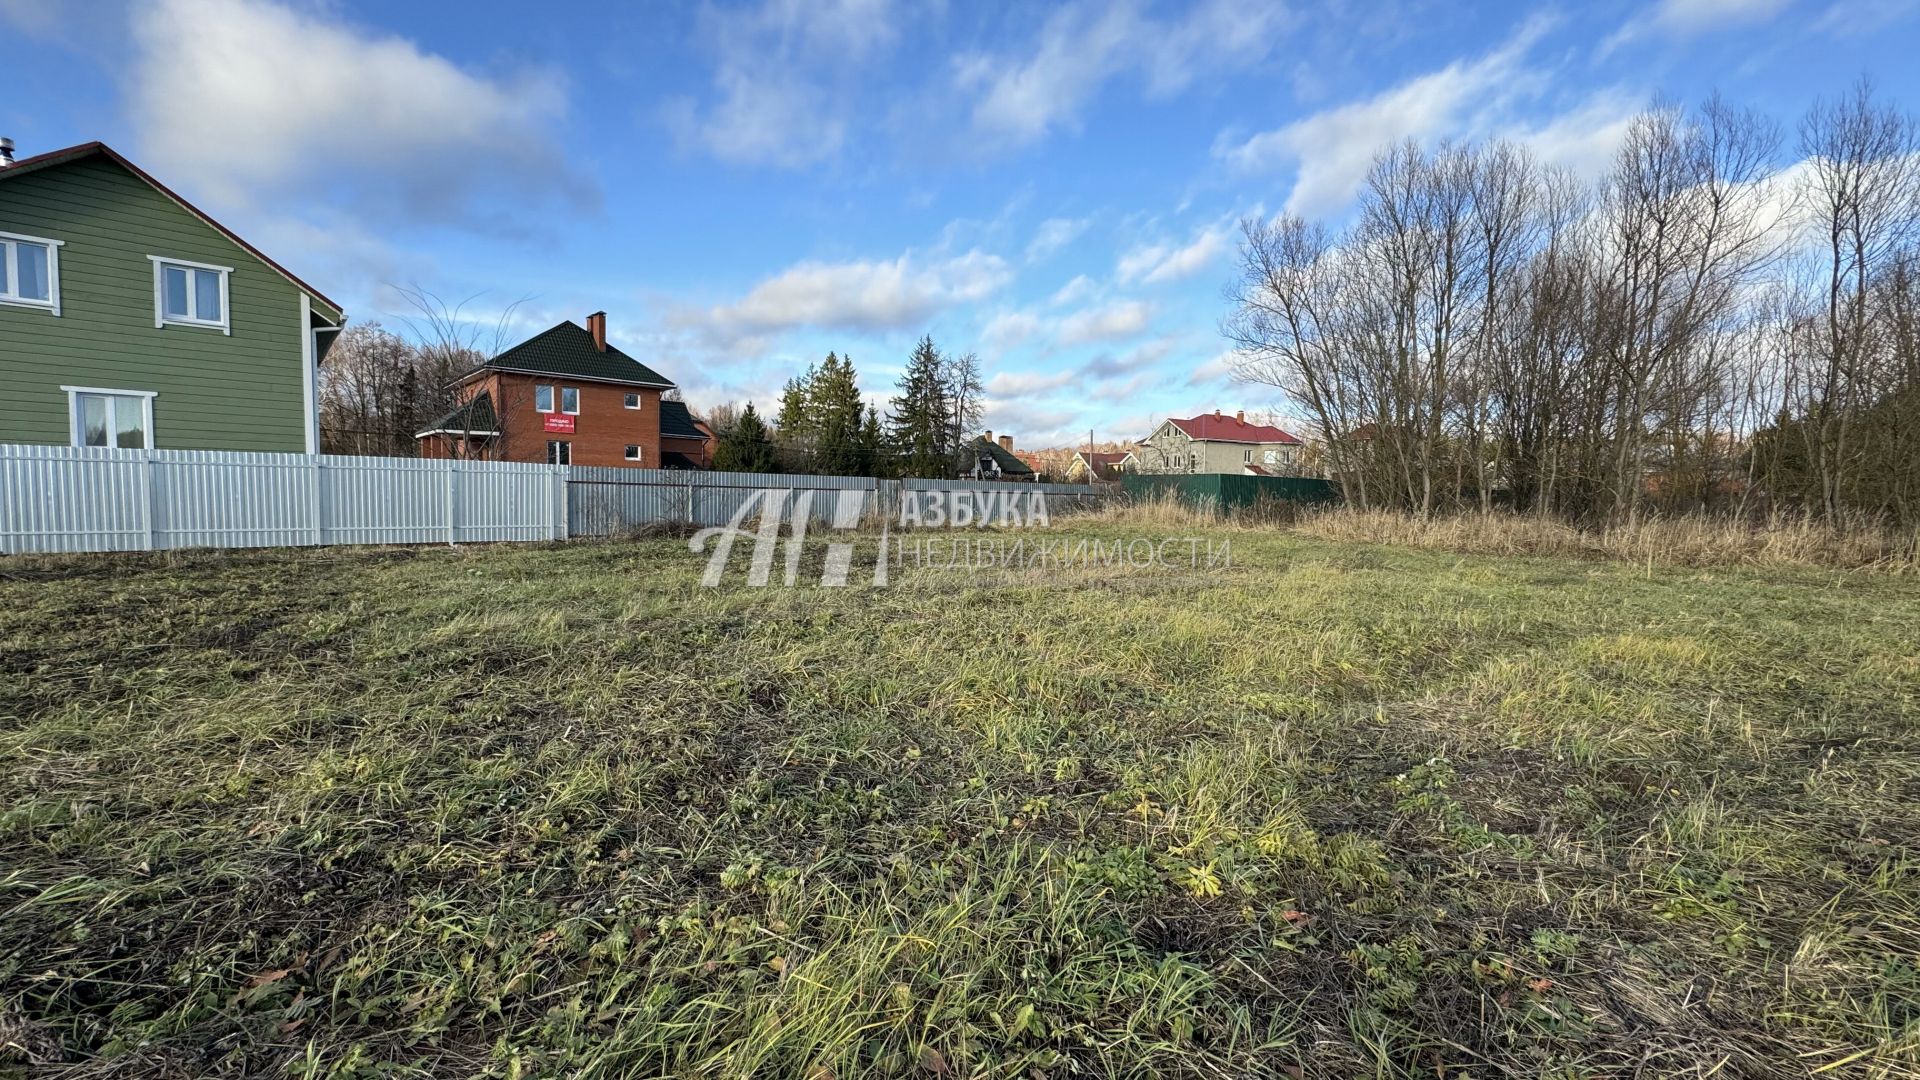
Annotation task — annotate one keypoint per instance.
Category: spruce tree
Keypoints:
(873, 445)
(834, 414)
(746, 446)
(920, 417)
(796, 413)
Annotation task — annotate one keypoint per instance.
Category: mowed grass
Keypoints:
(1337, 811)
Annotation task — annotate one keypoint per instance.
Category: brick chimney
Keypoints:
(1006, 443)
(597, 326)
(987, 434)
(1240, 415)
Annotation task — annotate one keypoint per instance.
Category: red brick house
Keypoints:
(685, 442)
(566, 397)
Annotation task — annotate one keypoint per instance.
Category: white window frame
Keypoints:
(9, 252)
(633, 452)
(552, 397)
(75, 437)
(1272, 457)
(552, 453)
(1246, 455)
(575, 391)
(161, 319)
(635, 401)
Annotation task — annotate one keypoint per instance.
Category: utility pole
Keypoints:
(1089, 458)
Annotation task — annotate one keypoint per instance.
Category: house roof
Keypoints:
(567, 350)
(1101, 462)
(1218, 427)
(677, 422)
(52, 158)
(1008, 461)
(474, 417)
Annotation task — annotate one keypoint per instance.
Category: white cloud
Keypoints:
(1694, 16)
(245, 99)
(1073, 291)
(1054, 234)
(1109, 322)
(1332, 150)
(784, 78)
(861, 295)
(1154, 264)
(1688, 18)
(1030, 424)
(1013, 384)
(1108, 365)
(1126, 389)
(1854, 18)
(1021, 97)
(1218, 370)
(1584, 140)
(1008, 329)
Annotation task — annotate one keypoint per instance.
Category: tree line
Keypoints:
(1698, 328)
(824, 425)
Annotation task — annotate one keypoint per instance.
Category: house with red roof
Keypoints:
(1099, 465)
(1217, 443)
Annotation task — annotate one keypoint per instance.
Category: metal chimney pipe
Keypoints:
(6, 152)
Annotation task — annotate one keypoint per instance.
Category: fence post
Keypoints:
(689, 483)
(453, 494)
(149, 498)
(561, 503)
(317, 504)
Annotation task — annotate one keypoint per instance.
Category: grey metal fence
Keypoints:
(991, 500)
(603, 501)
(60, 499)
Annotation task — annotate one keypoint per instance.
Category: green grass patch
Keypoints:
(1337, 810)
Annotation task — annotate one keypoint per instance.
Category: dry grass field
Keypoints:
(1341, 810)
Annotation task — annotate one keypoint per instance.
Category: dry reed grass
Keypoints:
(1690, 540)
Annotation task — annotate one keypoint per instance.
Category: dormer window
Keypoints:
(190, 294)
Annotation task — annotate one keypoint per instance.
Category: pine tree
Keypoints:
(834, 414)
(921, 415)
(873, 445)
(796, 412)
(747, 446)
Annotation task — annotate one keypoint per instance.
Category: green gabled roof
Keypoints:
(1001, 455)
(567, 350)
(476, 417)
(676, 421)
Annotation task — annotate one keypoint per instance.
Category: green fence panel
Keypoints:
(1227, 491)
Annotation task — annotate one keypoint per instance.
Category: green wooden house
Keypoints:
(129, 318)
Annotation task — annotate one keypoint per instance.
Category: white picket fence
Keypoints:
(68, 499)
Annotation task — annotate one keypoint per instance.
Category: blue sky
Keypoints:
(745, 186)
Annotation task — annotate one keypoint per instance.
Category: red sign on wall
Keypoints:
(560, 423)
